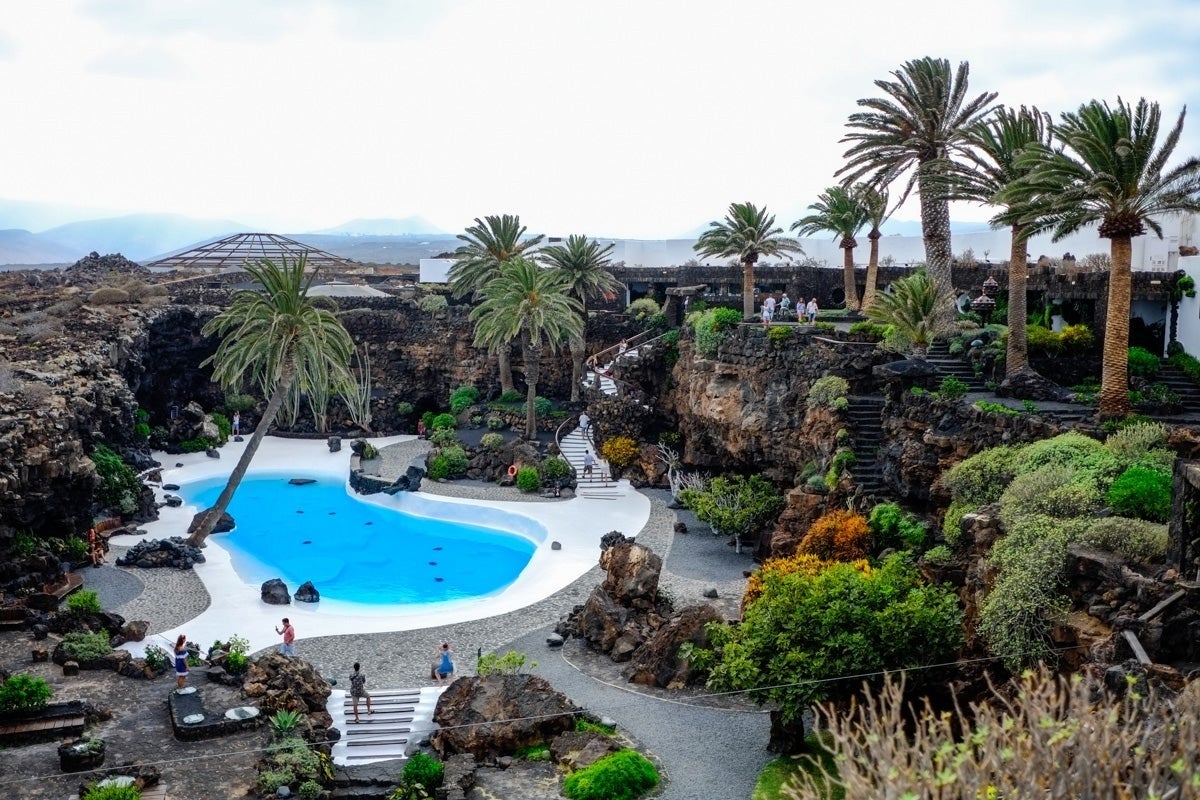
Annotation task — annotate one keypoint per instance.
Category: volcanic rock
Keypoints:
(520, 710)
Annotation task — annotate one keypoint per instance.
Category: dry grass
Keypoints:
(1053, 738)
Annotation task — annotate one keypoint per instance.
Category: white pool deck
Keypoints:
(236, 606)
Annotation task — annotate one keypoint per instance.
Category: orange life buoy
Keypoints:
(512, 470)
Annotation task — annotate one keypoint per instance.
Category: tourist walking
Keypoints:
(289, 637)
(237, 423)
(584, 422)
(358, 688)
(785, 303)
(768, 309)
(443, 668)
(810, 311)
(589, 461)
(181, 657)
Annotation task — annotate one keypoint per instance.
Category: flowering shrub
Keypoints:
(799, 564)
(838, 536)
(619, 451)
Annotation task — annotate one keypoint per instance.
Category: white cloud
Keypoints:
(621, 118)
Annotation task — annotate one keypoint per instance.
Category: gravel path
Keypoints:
(706, 751)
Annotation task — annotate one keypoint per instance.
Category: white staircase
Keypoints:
(600, 485)
(402, 718)
(607, 384)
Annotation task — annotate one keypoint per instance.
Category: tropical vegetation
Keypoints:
(840, 211)
(747, 233)
(912, 313)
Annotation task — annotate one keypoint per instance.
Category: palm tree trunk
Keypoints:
(748, 288)
(935, 230)
(504, 361)
(872, 270)
(1114, 381)
(235, 478)
(848, 279)
(533, 368)
(578, 348)
(1017, 356)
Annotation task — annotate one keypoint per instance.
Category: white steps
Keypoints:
(402, 718)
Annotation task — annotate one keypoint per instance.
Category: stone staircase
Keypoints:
(939, 356)
(600, 486)
(402, 718)
(865, 417)
(1179, 383)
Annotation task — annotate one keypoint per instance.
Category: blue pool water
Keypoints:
(356, 551)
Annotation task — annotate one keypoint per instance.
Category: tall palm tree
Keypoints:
(486, 245)
(913, 312)
(746, 233)
(840, 211)
(1111, 170)
(921, 122)
(527, 302)
(876, 202)
(279, 340)
(584, 263)
(992, 165)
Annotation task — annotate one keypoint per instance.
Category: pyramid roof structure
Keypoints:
(233, 252)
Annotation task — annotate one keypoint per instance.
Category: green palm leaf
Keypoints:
(747, 233)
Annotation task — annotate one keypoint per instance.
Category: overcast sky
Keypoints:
(613, 118)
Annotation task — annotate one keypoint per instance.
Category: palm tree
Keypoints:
(913, 312)
(584, 263)
(527, 302)
(1111, 170)
(876, 202)
(746, 233)
(487, 245)
(279, 340)
(839, 211)
(920, 124)
(992, 165)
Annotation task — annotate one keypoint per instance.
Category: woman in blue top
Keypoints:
(181, 657)
(444, 670)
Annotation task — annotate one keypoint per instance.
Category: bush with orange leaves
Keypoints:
(799, 564)
(838, 536)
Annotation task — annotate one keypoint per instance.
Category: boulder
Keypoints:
(135, 630)
(173, 500)
(307, 593)
(578, 749)
(174, 552)
(521, 710)
(633, 573)
(601, 620)
(275, 592)
(410, 481)
(657, 662)
(1029, 385)
(224, 525)
(279, 682)
(335, 444)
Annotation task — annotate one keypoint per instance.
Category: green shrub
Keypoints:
(1142, 362)
(892, 526)
(510, 397)
(283, 722)
(495, 423)
(1133, 441)
(491, 441)
(869, 330)
(584, 725)
(405, 409)
(443, 437)
(431, 304)
(555, 468)
(223, 425)
(84, 601)
(1042, 341)
(81, 646)
(423, 770)
(508, 664)
(463, 398)
(842, 462)
(778, 334)
(236, 663)
(112, 791)
(119, 485)
(1142, 493)
(952, 388)
(624, 775)
(22, 692)
(309, 790)
(239, 402)
(1076, 337)
(443, 421)
(197, 445)
(952, 522)
(269, 780)
(1071, 449)
(77, 549)
(1052, 491)
(427, 418)
(996, 408)
(827, 391)
(533, 752)
(1133, 538)
(528, 479)
(939, 555)
(156, 658)
(542, 406)
(448, 462)
(642, 307)
(108, 296)
(981, 478)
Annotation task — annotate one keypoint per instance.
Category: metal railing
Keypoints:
(611, 355)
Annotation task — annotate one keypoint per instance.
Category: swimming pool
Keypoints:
(355, 551)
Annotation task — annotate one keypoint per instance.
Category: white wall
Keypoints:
(435, 270)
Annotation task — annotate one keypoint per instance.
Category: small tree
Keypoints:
(913, 312)
(736, 506)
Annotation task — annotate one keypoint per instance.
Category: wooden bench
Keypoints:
(12, 618)
(73, 581)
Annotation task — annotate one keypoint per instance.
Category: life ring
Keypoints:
(512, 470)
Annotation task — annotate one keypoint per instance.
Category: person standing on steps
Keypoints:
(358, 688)
(181, 657)
(589, 461)
(584, 423)
(289, 637)
(810, 311)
